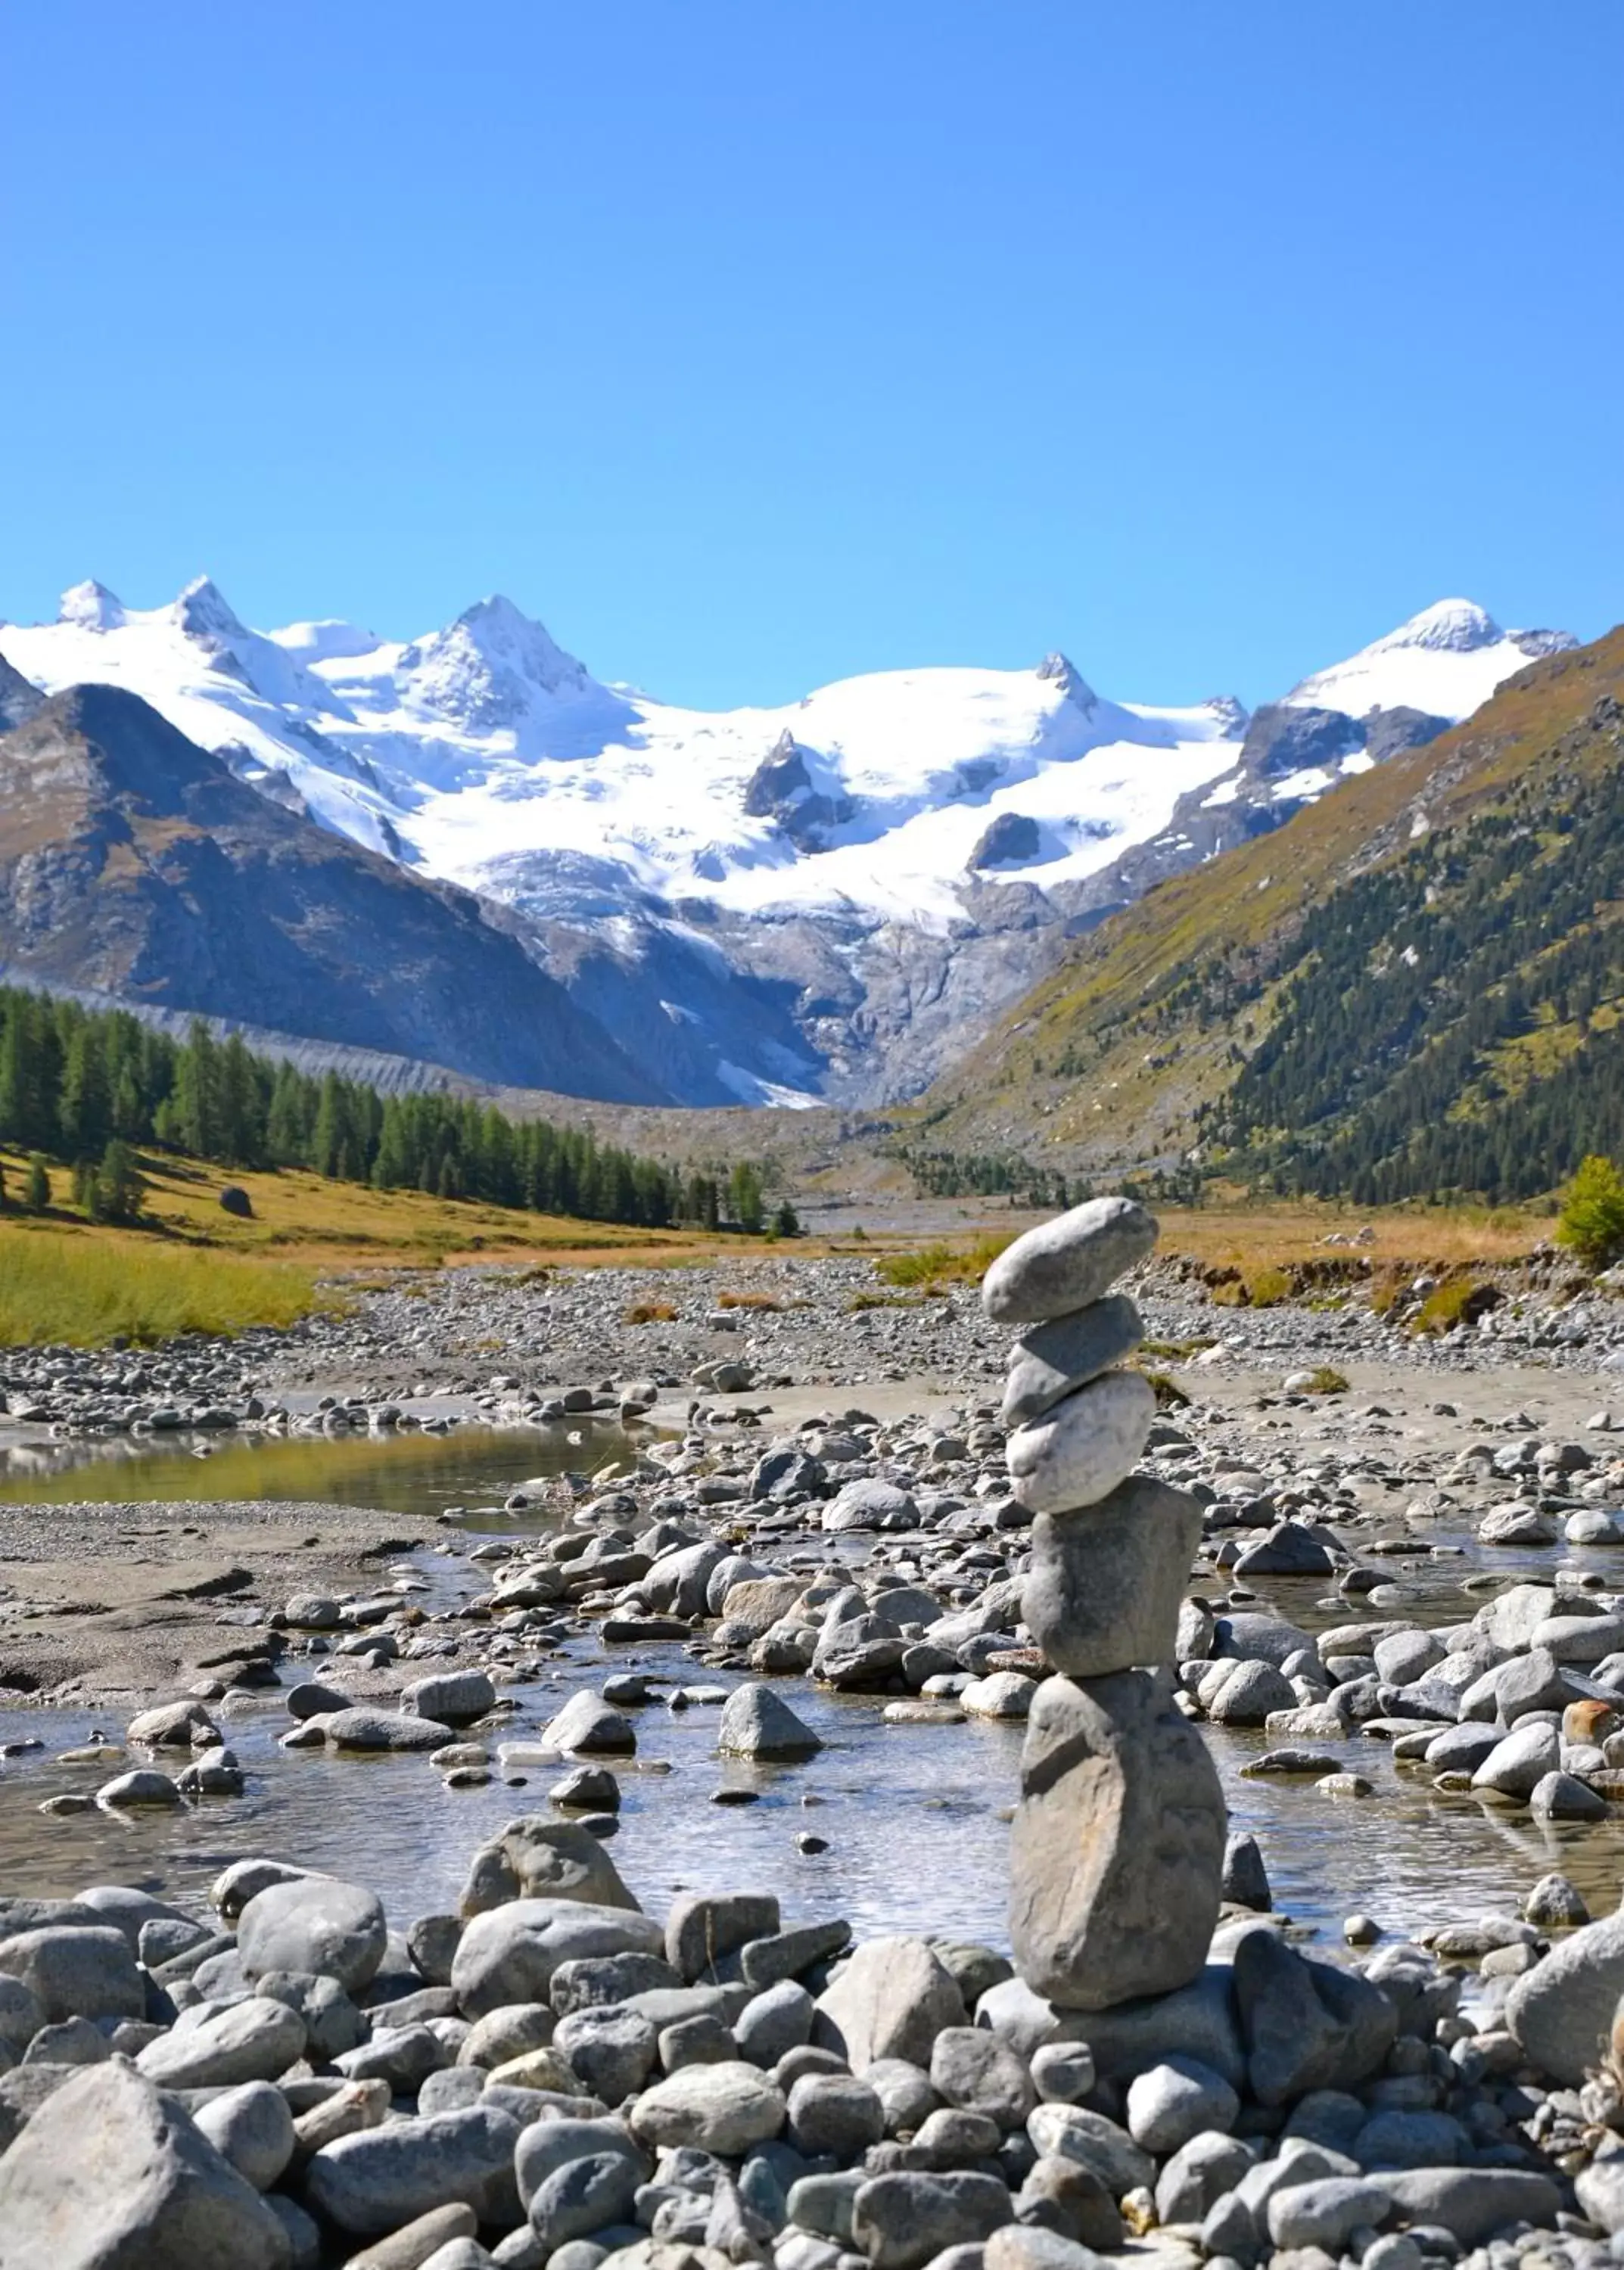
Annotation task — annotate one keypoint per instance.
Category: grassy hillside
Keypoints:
(1128, 1054)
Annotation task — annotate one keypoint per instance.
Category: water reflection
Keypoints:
(911, 1814)
(413, 1472)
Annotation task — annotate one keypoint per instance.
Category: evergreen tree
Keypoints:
(744, 1197)
(37, 1186)
(117, 1187)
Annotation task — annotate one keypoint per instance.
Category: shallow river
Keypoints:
(911, 1814)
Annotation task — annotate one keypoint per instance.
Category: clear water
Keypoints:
(913, 1815)
(411, 1472)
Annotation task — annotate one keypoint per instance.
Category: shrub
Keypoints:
(1266, 1288)
(1169, 1394)
(650, 1312)
(1592, 1220)
(943, 1264)
(1325, 1379)
(748, 1301)
(1446, 1305)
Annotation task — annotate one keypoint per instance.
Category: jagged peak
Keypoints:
(204, 612)
(490, 656)
(1060, 670)
(90, 606)
(1231, 713)
(1535, 643)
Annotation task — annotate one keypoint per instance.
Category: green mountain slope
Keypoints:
(1415, 984)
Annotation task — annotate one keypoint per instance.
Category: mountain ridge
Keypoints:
(134, 864)
(782, 906)
(1124, 1055)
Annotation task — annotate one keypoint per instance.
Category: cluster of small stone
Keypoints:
(550, 2078)
(1118, 1846)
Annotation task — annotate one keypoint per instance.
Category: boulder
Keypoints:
(724, 2108)
(75, 1971)
(108, 2175)
(361, 1728)
(318, 1923)
(254, 2040)
(892, 1999)
(1105, 1584)
(535, 1857)
(870, 1504)
(758, 1723)
(510, 1952)
(590, 1725)
(455, 1698)
(1470, 2203)
(1306, 2025)
(1051, 1360)
(252, 2128)
(378, 2179)
(1117, 1849)
(1561, 2010)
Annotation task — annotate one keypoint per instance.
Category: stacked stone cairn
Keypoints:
(1118, 1851)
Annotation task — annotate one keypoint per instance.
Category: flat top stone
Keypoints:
(1068, 1263)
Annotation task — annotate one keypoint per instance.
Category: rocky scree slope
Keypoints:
(133, 863)
(1432, 939)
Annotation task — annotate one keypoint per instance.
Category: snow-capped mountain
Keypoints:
(777, 903)
(1446, 661)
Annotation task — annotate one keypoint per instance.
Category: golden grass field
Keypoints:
(189, 1267)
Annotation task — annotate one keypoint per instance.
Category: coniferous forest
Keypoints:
(1450, 1024)
(75, 1083)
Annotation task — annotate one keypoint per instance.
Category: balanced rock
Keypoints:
(1051, 1360)
(1117, 1849)
(1085, 1447)
(1105, 1584)
(1068, 1263)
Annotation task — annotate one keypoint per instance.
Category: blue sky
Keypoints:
(750, 345)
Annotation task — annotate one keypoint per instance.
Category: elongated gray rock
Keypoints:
(1117, 1849)
(1105, 1584)
(1051, 1360)
(1066, 1264)
(381, 2179)
(1085, 1447)
(108, 2173)
(510, 1954)
(256, 2040)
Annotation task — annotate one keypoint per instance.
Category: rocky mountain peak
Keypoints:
(488, 668)
(1450, 627)
(204, 612)
(90, 606)
(1060, 670)
(20, 698)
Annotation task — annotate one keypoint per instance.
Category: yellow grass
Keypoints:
(84, 1287)
(1256, 1238)
(942, 1263)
